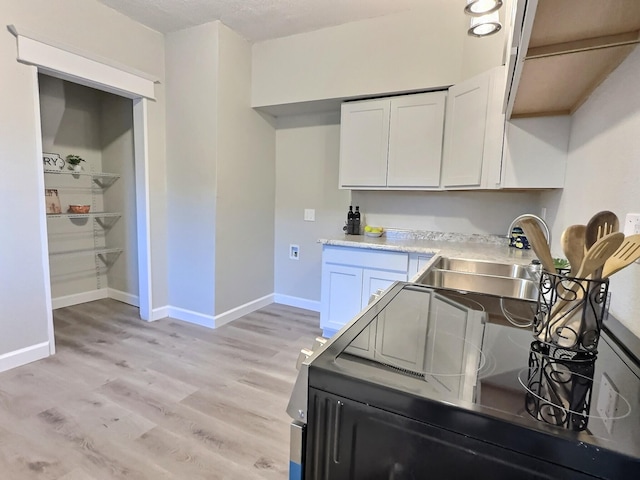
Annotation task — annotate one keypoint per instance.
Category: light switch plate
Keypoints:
(309, 215)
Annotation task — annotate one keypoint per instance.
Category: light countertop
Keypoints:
(447, 245)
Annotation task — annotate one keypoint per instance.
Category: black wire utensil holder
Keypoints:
(559, 386)
(570, 311)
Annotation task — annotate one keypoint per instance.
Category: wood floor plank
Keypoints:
(124, 398)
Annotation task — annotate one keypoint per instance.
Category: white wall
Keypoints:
(307, 154)
(405, 51)
(192, 143)
(307, 149)
(480, 212)
(603, 172)
(116, 138)
(221, 176)
(245, 182)
(482, 54)
(91, 27)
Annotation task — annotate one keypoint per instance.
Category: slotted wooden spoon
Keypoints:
(573, 240)
(538, 243)
(628, 253)
(601, 224)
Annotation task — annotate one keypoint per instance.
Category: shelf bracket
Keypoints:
(104, 257)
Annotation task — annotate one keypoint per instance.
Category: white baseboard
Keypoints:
(23, 356)
(313, 305)
(124, 297)
(210, 321)
(159, 313)
(191, 316)
(242, 310)
(77, 298)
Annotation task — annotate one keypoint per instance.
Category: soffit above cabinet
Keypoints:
(574, 46)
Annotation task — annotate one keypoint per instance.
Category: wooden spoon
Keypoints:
(601, 224)
(628, 253)
(538, 242)
(572, 241)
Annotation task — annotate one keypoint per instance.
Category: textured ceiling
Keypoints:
(258, 20)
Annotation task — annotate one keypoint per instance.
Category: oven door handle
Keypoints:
(337, 420)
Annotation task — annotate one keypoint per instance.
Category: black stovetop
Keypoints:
(459, 360)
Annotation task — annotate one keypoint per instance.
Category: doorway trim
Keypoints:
(68, 63)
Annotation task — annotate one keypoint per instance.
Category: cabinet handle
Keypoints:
(336, 432)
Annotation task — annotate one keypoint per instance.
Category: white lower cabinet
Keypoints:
(405, 350)
(417, 262)
(374, 280)
(341, 296)
(449, 364)
(350, 276)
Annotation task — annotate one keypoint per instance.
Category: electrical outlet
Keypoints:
(632, 224)
(294, 252)
(607, 402)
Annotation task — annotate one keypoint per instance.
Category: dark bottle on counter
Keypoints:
(350, 220)
(356, 221)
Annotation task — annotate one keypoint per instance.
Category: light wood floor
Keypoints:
(127, 399)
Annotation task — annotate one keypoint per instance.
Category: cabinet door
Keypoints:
(374, 280)
(364, 142)
(464, 136)
(406, 347)
(341, 296)
(417, 261)
(415, 140)
(452, 363)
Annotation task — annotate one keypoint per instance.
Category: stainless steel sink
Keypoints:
(484, 268)
(498, 279)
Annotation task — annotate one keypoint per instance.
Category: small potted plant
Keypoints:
(74, 162)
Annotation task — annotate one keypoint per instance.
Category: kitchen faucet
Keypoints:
(545, 227)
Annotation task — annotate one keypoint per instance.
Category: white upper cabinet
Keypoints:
(392, 143)
(396, 143)
(473, 132)
(415, 140)
(364, 143)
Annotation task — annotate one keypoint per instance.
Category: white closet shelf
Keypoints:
(88, 252)
(85, 215)
(102, 179)
(86, 174)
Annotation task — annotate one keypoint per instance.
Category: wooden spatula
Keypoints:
(538, 243)
(628, 253)
(572, 241)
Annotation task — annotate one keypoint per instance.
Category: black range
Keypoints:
(430, 383)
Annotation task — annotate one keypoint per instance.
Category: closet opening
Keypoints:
(91, 211)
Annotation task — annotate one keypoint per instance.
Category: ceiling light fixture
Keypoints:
(485, 25)
(477, 8)
(485, 19)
